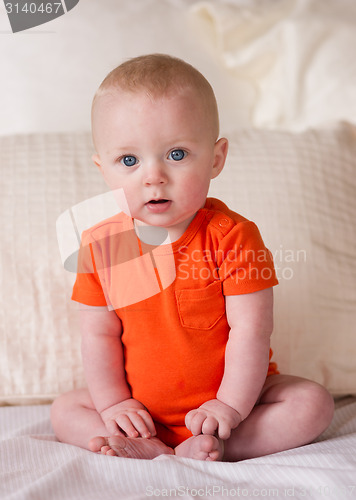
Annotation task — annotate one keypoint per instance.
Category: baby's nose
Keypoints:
(154, 174)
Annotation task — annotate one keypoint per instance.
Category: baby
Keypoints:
(176, 334)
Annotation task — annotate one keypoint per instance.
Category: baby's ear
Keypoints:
(220, 152)
(96, 160)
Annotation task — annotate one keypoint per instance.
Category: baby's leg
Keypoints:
(291, 412)
(76, 421)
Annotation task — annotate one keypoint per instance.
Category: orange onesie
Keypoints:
(170, 300)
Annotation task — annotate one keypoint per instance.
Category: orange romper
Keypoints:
(175, 328)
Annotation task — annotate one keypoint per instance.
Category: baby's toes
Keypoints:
(97, 443)
(214, 455)
(107, 450)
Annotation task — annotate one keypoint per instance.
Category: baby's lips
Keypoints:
(158, 206)
(160, 200)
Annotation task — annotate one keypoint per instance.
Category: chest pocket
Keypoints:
(201, 308)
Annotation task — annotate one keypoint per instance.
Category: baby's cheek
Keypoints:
(122, 198)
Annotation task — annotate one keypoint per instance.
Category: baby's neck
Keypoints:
(156, 235)
(151, 235)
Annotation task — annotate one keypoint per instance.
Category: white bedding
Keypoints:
(273, 63)
(33, 465)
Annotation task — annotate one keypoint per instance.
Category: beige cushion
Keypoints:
(299, 189)
(41, 176)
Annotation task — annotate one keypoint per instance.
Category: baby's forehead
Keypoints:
(114, 97)
(112, 102)
(117, 93)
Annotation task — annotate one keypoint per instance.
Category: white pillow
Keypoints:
(296, 56)
(299, 189)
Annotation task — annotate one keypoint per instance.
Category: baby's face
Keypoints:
(161, 152)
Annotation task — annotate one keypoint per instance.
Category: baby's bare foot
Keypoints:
(121, 446)
(202, 447)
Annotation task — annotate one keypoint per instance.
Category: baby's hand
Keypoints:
(130, 418)
(213, 416)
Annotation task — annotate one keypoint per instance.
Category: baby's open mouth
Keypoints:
(158, 201)
(158, 206)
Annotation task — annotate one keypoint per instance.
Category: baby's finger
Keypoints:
(189, 418)
(210, 425)
(112, 428)
(224, 430)
(196, 423)
(148, 421)
(124, 423)
(139, 424)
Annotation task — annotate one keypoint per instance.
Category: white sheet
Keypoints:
(34, 465)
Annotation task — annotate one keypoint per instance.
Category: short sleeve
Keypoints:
(87, 288)
(245, 264)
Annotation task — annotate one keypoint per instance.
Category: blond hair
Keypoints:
(161, 75)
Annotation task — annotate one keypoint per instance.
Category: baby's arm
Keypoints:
(103, 361)
(250, 318)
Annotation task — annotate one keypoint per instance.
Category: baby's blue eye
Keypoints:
(129, 161)
(177, 155)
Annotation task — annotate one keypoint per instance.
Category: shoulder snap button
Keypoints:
(223, 222)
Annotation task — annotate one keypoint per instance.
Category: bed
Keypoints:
(284, 73)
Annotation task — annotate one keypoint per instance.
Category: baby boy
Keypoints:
(186, 368)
